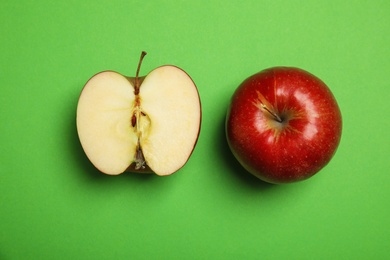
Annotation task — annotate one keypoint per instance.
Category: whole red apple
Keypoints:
(283, 125)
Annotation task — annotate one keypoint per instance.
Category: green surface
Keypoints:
(55, 205)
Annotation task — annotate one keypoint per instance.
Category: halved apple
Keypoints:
(139, 124)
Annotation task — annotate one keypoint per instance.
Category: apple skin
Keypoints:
(301, 144)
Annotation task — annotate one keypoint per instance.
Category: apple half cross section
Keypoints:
(139, 124)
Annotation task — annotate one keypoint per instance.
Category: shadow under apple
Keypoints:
(235, 167)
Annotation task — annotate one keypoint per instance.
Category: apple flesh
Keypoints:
(139, 124)
(283, 125)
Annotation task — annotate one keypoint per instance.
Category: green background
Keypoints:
(55, 205)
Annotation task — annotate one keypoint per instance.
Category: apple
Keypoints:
(144, 124)
(283, 125)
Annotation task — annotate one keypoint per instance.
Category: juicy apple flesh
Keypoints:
(141, 124)
(283, 125)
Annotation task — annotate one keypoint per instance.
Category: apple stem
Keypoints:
(137, 85)
(274, 115)
(268, 107)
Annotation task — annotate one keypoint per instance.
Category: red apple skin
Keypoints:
(299, 146)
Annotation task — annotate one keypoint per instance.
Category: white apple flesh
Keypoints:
(139, 124)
